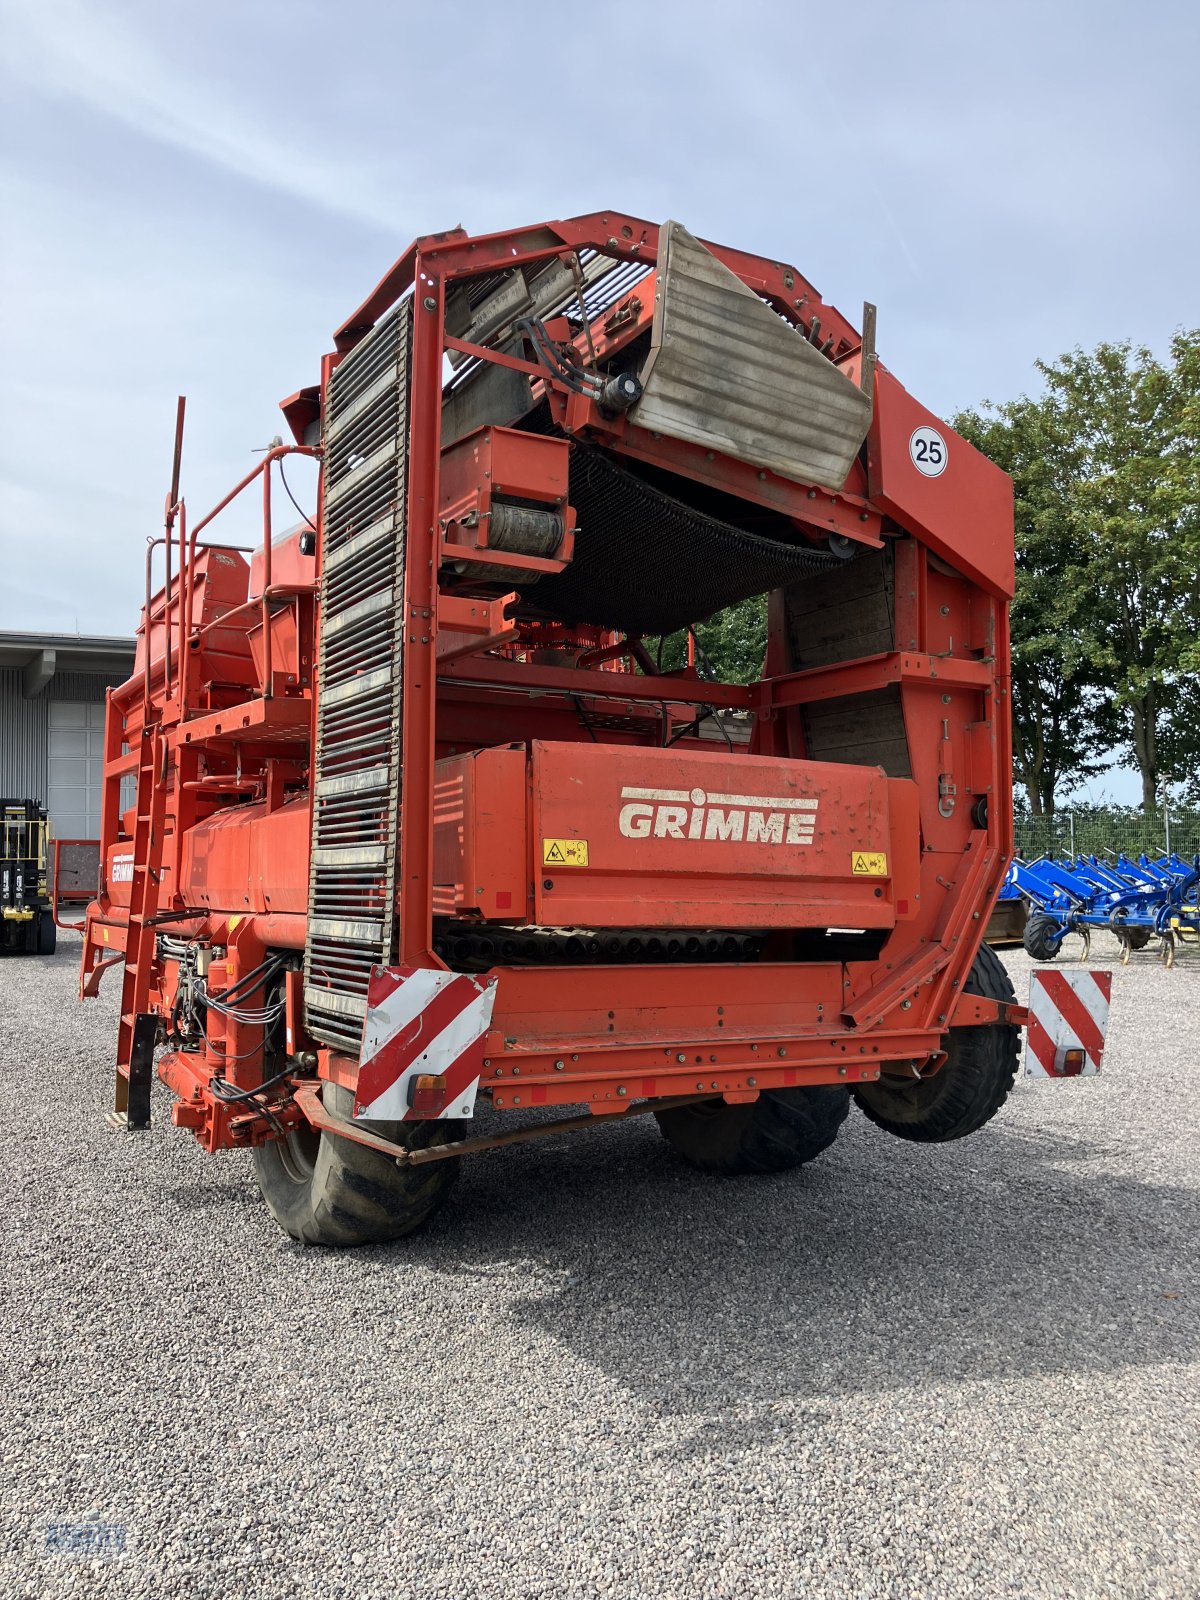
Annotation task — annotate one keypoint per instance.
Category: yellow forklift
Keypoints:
(26, 911)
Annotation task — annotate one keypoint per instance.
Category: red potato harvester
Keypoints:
(421, 819)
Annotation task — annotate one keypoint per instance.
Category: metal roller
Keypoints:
(517, 530)
(470, 949)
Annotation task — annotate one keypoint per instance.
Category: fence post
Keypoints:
(1167, 823)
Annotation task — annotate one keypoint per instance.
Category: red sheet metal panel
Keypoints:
(941, 487)
(624, 838)
(480, 848)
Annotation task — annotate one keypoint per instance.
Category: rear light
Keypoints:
(427, 1093)
(1069, 1061)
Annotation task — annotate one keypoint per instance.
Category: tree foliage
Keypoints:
(1061, 725)
(731, 644)
(1106, 618)
(1106, 465)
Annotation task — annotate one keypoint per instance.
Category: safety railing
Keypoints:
(179, 633)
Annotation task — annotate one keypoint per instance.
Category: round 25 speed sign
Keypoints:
(928, 451)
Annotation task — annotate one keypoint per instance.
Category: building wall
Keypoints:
(25, 727)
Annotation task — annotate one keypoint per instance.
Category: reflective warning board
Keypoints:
(1068, 1019)
(564, 852)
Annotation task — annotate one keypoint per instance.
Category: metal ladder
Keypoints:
(138, 1028)
(356, 766)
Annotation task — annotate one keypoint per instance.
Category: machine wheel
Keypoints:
(47, 934)
(780, 1130)
(323, 1189)
(969, 1089)
(1042, 938)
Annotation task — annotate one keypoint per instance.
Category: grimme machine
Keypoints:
(424, 826)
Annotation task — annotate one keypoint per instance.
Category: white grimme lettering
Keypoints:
(800, 829)
(657, 814)
(724, 824)
(635, 820)
(765, 828)
(668, 824)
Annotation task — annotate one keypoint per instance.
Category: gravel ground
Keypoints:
(903, 1372)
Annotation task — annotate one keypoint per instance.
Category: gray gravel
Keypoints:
(903, 1372)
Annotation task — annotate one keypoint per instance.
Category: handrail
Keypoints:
(151, 546)
(275, 453)
(185, 606)
(266, 614)
(170, 601)
(274, 591)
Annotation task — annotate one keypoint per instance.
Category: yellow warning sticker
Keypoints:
(869, 864)
(564, 852)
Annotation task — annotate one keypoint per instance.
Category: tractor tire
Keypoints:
(780, 1130)
(47, 935)
(969, 1089)
(326, 1190)
(1042, 939)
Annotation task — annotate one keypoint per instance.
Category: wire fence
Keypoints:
(1107, 831)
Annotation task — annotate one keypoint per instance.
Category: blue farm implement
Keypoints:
(1136, 900)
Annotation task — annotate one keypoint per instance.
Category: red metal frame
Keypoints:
(233, 728)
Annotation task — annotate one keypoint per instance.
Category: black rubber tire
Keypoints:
(971, 1087)
(47, 934)
(323, 1189)
(780, 1130)
(1135, 938)
(1041, 938)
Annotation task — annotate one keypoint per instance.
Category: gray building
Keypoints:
(52, 722)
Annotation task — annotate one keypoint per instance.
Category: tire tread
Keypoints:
(976, 1080)
(356, 1195)
(779, 1131)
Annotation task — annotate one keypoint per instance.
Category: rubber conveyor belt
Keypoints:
(648, 563)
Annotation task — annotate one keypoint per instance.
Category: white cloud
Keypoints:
(80, 50)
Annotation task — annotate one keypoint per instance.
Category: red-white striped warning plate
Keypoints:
(421, 1021)
(1068, 1013)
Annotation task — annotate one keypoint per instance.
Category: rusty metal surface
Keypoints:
(308, 1098)
(76, 869)
(726, 372)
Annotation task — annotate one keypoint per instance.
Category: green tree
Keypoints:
(1129, 426)
(1062, 718)
(1106, 621)
(732, 643)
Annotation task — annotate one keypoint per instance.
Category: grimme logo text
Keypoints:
(733, 818)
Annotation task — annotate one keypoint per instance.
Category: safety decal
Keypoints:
(564, 852)
(869, 864)
(1068, 1016)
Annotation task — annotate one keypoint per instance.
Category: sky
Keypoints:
(194, 197)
